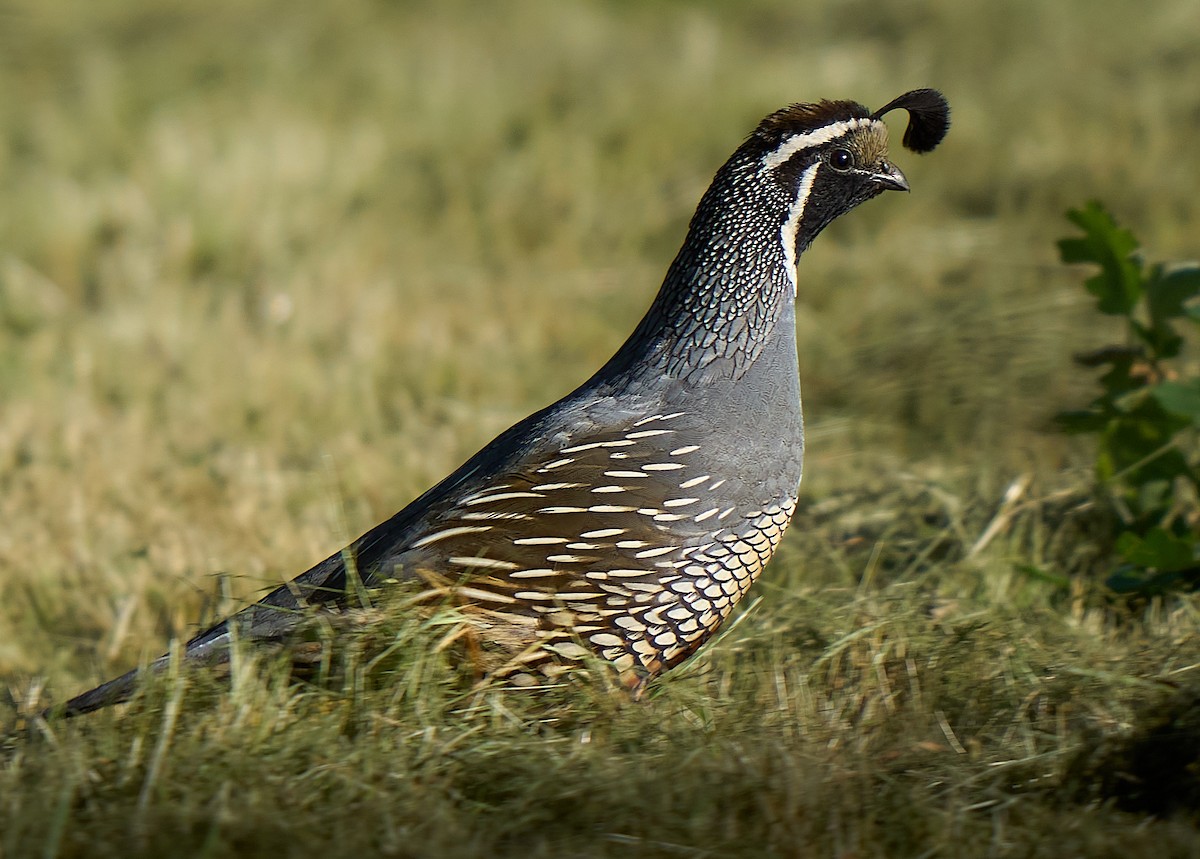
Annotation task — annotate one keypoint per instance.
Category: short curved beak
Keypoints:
(889, 178)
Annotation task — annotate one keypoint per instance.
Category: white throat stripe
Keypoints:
(810, 139)
(787, 233)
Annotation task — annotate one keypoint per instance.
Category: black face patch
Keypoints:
(859, 149)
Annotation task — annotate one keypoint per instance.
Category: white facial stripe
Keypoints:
(810, 139)
(787, 233)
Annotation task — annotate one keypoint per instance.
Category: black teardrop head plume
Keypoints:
(928, 118)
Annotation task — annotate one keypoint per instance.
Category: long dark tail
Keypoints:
(211, 647)
(112, 692)
(272, 619)
(332, 584)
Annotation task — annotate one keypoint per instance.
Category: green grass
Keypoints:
(267, 271)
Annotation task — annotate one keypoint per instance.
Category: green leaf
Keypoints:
(1120, 379)
(1124, 355)
(1180, 398)
(1118, 287)
(1117, 291)
(1128, 579)
(1101, 232)
(1168, 291)
(1159, 550)
(1160, 338)
(1138, 445)
(1077, 250)
(1131, 401)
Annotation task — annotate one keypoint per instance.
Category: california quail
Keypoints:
(629, 518)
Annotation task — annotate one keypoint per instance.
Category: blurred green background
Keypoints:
(268, 270)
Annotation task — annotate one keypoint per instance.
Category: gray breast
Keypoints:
(637, 539)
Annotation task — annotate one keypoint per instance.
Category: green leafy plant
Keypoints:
(1147, 416)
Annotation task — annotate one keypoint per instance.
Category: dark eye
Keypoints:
(841, 159)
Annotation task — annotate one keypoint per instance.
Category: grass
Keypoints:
(268, 271)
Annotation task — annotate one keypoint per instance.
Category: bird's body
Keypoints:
(628, 518)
